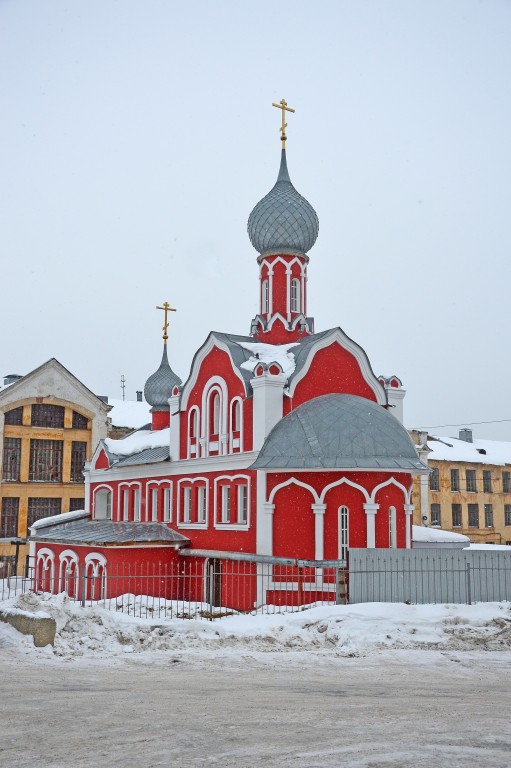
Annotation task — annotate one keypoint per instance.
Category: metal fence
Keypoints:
(212, 585)
(429, 576)
(207, 585)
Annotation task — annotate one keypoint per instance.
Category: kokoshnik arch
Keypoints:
(278, 443)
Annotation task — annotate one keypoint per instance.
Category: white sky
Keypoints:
(137, 135)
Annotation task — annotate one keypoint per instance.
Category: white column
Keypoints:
(223, 445)
(175, 424)
(86, 474)
(268, 405)
(264, 517)
(319, 526)
(203, 447)
(409, 519)
(371, 510)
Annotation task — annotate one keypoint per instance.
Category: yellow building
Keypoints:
(469, 489)
(50, 423)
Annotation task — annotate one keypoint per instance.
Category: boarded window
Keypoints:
(48, 416)
(9, 518)
(41, 507)
(45, 461)
(12, 458)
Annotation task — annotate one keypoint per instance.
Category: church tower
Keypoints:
(162, 384)
(283, 227)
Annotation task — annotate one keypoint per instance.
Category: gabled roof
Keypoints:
(8, 394)
(303, 351)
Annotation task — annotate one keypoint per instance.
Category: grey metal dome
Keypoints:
(158, 387)
(339, 432)
(283, 220)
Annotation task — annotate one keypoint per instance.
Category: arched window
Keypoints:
(69, 572)
(392, 528)
(95, 576)
(193, 431)
(295, 295)
(265, 297)
(103, 504)
(343, 532)
(214, 414)
(236, 416)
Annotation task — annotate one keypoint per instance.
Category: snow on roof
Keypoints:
(64, 517)
(430, 535)
(480, 451)
(129, 413)
(138, 441)
(269, 353)
(498, 547)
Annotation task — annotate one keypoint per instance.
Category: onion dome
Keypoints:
(339, 432)
(283, 220)
(158, 387)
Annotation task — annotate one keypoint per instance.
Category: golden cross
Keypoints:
(283, 106)
(166, 308)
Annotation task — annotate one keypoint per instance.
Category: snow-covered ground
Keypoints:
(340, 630)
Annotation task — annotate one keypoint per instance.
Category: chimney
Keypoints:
(139, 396)
(11, 378)
(466, 435)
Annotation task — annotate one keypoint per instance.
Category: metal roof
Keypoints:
(100, 532)
(158, 387)
(147, 456)
(339, 432)
(283, 219)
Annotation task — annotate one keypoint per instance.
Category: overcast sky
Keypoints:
(137, 135)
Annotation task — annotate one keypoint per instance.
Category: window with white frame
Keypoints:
(265, 297)
(154, 505)
(187, 505)
(201, 504)
(167, 505)
(103, 504)
(236, 416)
(295, 295)
(343, 532)
(242, 504)
(136, 505)
(392, 528)
(226, 504)
(125, 503)
(193, 432)
(215, 414)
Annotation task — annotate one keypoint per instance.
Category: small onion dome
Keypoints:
(339, 432)
(283, 220)
(158, 387)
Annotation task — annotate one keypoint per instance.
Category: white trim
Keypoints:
(94, 557)
(409, 520)
(235, 400)
(191, 481)
(319, 530)
(152, 485)
(216, 385)
(211, 342)
(343, 541)
(392, 481)
(195, 412)
(338, 336)
(102, 487)
(46, 557)
(371, 510)
(124, 485)
(294, 481)
(341, 482)
(67, 557)
(232, 461)
(221, 526)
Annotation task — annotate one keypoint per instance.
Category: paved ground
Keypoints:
(392, 709)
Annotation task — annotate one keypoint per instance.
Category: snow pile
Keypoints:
(452, 449)
(269, 353)
(129, 413)
(138, 441)
(64, 517)
(343, 630)
(421, 533)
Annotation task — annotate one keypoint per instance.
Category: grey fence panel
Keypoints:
(429, 576)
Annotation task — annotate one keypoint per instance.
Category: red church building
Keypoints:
(279, 443)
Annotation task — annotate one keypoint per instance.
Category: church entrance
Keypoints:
(213, 584)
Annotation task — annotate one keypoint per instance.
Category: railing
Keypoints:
(211, 585)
